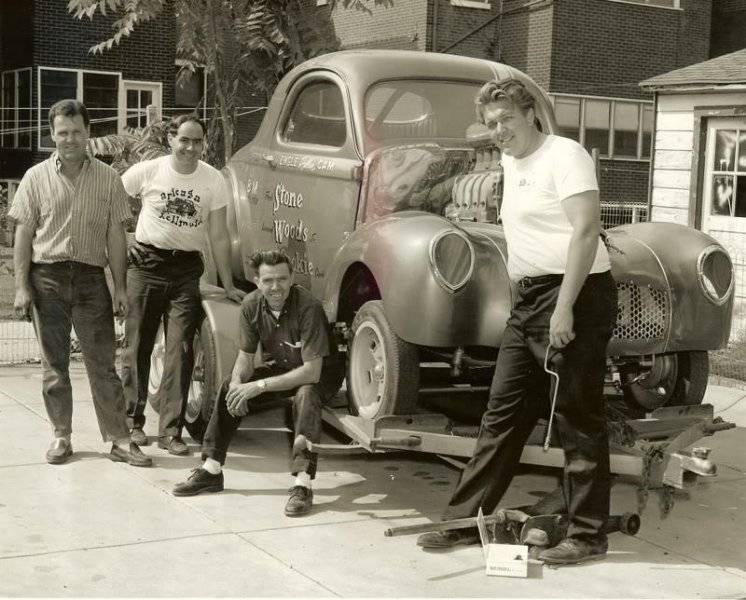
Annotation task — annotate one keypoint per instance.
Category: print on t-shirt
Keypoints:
(180, 209)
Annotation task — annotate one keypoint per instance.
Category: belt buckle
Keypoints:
(524, 282)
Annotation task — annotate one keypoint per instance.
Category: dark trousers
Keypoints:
(308, 401)
(165, 284)
(520, 395)
(72, 294)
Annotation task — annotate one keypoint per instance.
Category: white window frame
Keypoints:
(676, 4)
(609, 153)
(154, 86)
(78, 96)
(16, 107)
(481, 4)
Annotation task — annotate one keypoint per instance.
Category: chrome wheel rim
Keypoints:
(368, 369)
(196, 385)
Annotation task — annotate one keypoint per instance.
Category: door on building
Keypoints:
(135, 97)
(724, 190)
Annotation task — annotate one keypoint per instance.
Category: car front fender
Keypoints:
(396, 252)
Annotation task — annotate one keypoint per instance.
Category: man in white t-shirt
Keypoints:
(564, 316)
(182, 199)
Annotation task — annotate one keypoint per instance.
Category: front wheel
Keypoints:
(382, 369)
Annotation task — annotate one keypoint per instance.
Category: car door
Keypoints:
(313, 184)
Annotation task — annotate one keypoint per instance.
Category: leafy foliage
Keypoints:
(243, 44)
(133, 146)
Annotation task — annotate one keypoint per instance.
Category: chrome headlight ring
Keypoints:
(715, 274)
(452, 259)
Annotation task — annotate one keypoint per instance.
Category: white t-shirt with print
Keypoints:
(174, 206)
(537, 229)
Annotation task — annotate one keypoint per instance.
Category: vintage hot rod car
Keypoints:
(369, 171)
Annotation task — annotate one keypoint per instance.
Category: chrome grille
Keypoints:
(642, 312)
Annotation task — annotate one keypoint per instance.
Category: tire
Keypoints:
(156, 368)
(382, 369)
(204, 387)
(681, 380)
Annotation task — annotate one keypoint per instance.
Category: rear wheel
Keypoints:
(673, 380)
(204, 386)
(382, 369)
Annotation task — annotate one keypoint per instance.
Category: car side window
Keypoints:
(317, 116)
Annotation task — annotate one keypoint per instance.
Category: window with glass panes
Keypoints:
(15, 109)
(618, 128)
(729, 173)
(98, 91)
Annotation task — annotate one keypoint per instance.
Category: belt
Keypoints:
(172, 253)
(527, 282)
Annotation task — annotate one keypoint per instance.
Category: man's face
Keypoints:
(187, 144)
(70, 136)
(274, 282)
(512, 130)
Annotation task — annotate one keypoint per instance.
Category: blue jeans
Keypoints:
(519, 397)
(76, 294)
(164, 285)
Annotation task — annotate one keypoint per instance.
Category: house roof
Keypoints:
(727, 69)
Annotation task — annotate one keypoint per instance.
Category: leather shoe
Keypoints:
(174, 445)
(137, 435)
(449, 538)
(300, 501)
(199, 481)
(59, 451)
(133, 456)
(574, 550)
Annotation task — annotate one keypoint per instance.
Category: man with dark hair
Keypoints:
(70, 212)
(562, 320)
(299, 358)
(182, 199)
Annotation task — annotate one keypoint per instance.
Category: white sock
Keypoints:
(303, 479)
(212, 466)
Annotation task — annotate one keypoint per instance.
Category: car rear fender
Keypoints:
(222, 315)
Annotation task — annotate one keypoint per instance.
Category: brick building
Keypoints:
(589, 54)
(44, 57)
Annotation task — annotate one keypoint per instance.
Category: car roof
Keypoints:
(363, 67)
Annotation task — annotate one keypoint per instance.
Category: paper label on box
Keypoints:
(505, 560)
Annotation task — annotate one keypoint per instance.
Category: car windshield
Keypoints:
(416, 110)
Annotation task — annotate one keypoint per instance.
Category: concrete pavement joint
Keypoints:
(696, 561)
(122, 545)
(290, 566)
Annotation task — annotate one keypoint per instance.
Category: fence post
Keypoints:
(151, 114)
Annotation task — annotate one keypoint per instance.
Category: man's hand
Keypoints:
(234, 294)
(136, 255)
(239, 394)
(22, 303)
(561, 327)
(121, 307)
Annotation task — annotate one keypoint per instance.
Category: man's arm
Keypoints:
(116, 242)
(583, 212)
(239, 394)
(220, 243)
(22, 264)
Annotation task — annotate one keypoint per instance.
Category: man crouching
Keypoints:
(299, 358)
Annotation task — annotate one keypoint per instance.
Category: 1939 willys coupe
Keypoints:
(369, 171)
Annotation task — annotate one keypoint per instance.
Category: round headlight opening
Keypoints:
(715, 272)
(452, 259)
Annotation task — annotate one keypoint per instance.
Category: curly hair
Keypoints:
(510, 89)
(175, 123)
(269, 258)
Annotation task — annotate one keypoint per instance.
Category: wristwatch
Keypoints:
(262, 384)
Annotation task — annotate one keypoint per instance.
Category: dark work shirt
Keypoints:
(300, 334)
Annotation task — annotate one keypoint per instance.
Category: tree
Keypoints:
(250, 42)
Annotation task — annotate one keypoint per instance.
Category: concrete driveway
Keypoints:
(92, 527)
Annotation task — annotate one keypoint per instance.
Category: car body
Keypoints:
(368, 170)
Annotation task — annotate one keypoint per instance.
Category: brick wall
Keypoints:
(624, 181)
(453, 22)
(728, 31)
(605, 48)
(15, 43)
